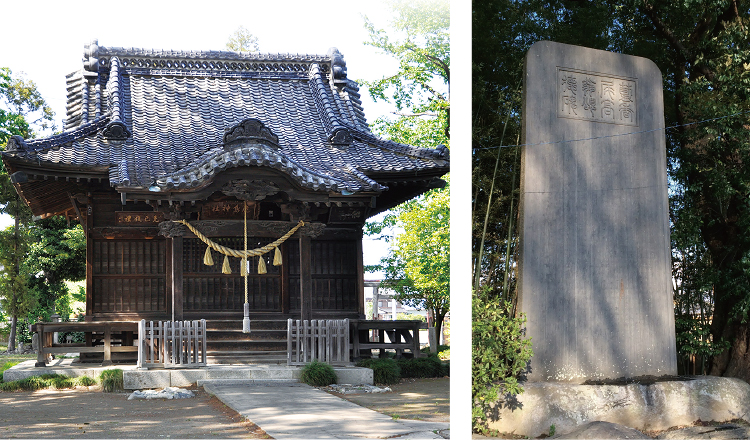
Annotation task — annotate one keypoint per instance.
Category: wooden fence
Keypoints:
(172, 344)
(324, 340)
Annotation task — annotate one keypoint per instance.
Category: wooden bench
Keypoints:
(402, 335)
(45, 330)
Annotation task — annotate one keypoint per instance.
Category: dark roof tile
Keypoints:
(159, 118)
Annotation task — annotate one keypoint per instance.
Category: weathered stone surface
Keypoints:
(724, 431)
(138, 380)
(184, 378)
(653, 407)
(602, 430)
(354, 375)
(595, 261)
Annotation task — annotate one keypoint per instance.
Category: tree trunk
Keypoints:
(735, 362)
(439, 317)
(12, 336)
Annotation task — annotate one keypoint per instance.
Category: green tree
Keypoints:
(16, 298)
(419, 38)
(702, 49)
(56, 254)
(23, 112)
(417, 266)
(243, 41)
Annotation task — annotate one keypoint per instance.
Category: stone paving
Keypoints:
(298, 411)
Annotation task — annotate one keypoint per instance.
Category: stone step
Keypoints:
(255, 324)
(223, 346)
(240, 382)
(248, 360)
(255, 334)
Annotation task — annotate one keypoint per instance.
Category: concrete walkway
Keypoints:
(298, 411)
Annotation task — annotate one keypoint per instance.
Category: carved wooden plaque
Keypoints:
(229, 210)
(139, 218)
(347, 214)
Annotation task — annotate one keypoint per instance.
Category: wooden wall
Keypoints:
(206, 288)
(129, 276)
(334, 276)
(131, 273)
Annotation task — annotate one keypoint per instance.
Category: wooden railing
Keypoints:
(47, 347)
(403, 337)
(324, 340)
(172, 344)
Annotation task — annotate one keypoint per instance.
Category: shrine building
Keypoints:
(162, 147)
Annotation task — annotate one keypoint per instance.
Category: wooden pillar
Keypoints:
(107, 345)
(176, 279)
(89, 263)
(285, 279)
(360, 276)
(305, 276)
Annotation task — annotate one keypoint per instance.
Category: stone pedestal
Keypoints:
(595, 263)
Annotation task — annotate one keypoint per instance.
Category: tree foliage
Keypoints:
(500, 355)
(702, 49)
(419, 38)
(38, 257)
(417, 265)
(15, 296)
(243, 41)
(56, 254)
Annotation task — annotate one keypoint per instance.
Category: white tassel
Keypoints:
(246, 319)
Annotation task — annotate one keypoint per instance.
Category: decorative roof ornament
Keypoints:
(338, 67)
(116, 129)
(341, 137)
(250, 189)
(90, 56)
(250, 130)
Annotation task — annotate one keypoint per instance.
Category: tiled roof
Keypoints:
(158, 119)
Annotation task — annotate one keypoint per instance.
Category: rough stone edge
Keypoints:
(652, 407)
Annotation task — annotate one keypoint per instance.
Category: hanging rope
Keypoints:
(244, 253)
(246, 315)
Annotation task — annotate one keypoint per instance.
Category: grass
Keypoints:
(5, 366)
(111, 380)
(54, 381)
(4, 357)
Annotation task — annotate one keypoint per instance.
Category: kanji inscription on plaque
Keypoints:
(139, 218)
(596, 97)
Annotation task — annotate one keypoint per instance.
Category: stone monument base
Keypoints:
(653, 407)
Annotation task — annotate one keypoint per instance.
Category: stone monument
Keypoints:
(595, 264)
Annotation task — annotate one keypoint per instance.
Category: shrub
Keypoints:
(445, 355)
(441, 347)
(500, 354)
(111, 380)
(445, 368)
(318, 374)
(385, 371)
(429, 366)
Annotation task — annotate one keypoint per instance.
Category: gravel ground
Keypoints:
(90, 413)
(417, 399)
